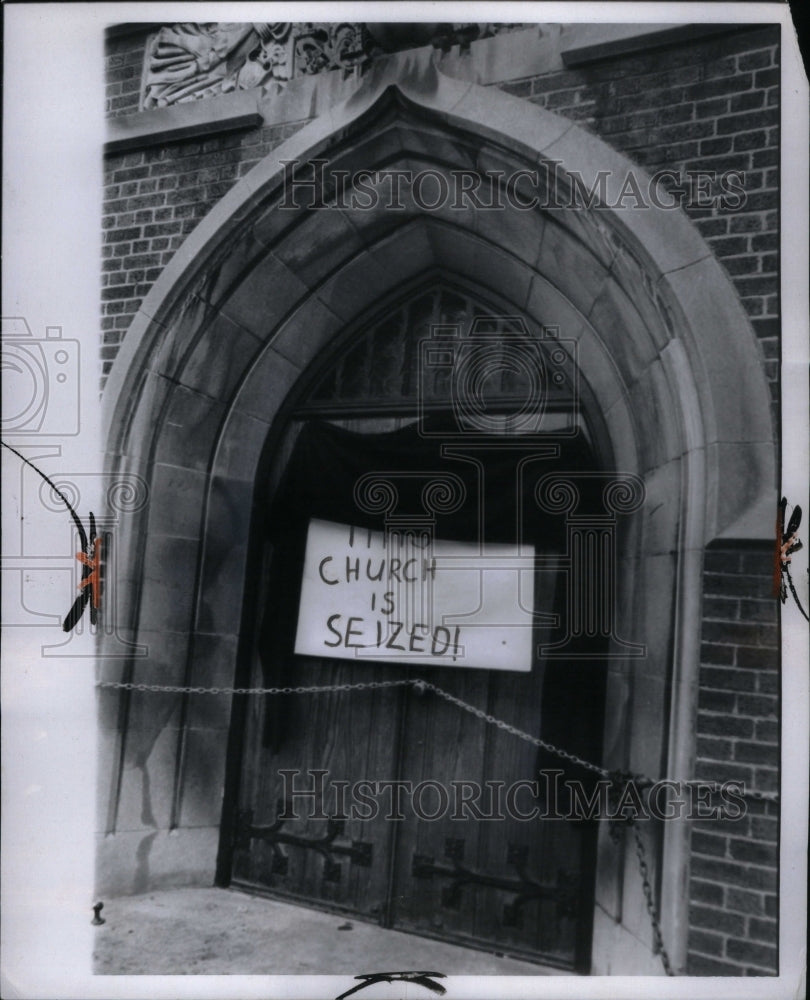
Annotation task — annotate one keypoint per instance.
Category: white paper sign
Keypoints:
(409, 599)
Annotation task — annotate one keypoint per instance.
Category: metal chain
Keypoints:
(640, 780)
(652, 909)
(422, 685)
(419, 684)
(314, 689)
(752, 794)
(508, 728)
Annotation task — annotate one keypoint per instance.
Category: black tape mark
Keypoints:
(90, 556)
(418, 978)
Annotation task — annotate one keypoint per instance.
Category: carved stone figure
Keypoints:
(186, 62)
(330, 46)
(272, 59)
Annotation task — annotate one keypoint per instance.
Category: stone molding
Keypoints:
(280, 93)
(587, 43)
(183, 121)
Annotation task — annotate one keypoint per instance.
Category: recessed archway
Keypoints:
(255, 294)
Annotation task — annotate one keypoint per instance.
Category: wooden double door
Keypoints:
(388, 804)
(397, 806)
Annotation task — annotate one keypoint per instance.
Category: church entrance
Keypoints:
(384, 799)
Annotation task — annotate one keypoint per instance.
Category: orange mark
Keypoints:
(93, 578)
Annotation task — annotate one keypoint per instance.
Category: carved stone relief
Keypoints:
(188, 62)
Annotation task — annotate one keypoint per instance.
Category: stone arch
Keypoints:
(256, 292)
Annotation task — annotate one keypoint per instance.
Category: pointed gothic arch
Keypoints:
(257, 292)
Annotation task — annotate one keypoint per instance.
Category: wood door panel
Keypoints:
(461, 878)
(340, 858)
(445, 745)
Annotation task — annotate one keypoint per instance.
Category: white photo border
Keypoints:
(53, 132)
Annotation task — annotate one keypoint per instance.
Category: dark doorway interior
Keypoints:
(474, 874)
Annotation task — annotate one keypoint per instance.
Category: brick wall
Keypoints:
(153, 199)
(124, 68)
(734, 882)
(708, 105)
